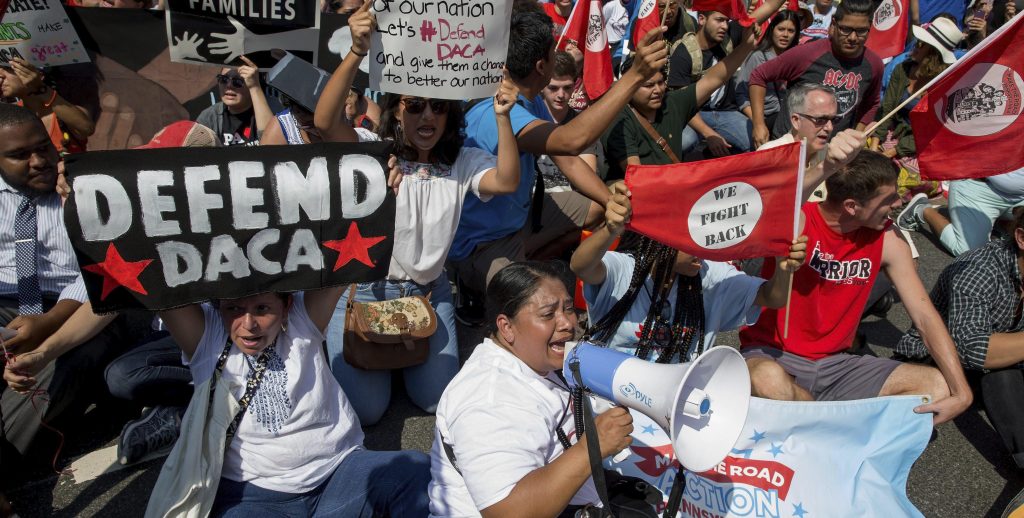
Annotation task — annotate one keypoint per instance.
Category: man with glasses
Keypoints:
(840, 62)
(242, 113)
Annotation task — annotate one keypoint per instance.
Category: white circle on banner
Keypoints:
(984, 101)
(596, 40)
(887, 14)
(725, 215)
(645, 9)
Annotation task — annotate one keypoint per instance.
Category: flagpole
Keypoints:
(977, 48)
(567, 23)
(664, 15)
(801, 170)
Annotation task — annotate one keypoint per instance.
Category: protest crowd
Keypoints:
(550, 211)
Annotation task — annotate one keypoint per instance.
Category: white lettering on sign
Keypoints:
(725, 215)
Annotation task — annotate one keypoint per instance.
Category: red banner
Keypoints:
(736, 207)
(734, 9)
(969, 124)
(586, 31)
(765, 474)
(889, 27)
(647, 19)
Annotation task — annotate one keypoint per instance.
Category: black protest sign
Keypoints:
(220, 31)
(335, 40)
(162, 228)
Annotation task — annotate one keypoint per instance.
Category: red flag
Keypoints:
(647, 19)
(734, 9)
(736, 207)
(969, 123)
(889, 28)
(586, 31)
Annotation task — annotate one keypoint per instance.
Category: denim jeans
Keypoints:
(370, 391)
(733, 126)
(974, 208)
(151, 374)
(365, 484)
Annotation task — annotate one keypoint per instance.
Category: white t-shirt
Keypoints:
(500, 419)
(819, 27)
(728, 300)
(616, 20)
(427, 212)
(299, 425)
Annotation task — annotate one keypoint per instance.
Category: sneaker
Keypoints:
(908, 219)
(1015, 509)
(154, 432)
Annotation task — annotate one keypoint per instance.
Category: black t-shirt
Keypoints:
(681, 67)
(239, 129)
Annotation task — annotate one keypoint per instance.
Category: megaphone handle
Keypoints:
(675, 496)
(593, 444)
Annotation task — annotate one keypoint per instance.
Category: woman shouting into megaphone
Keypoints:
(503, 442)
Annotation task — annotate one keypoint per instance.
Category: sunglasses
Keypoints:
(820, 121)
(416, 105)
(846, 31)
(236, 82)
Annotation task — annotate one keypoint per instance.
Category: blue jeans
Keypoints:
(370, 391)
(733, 126)
(151, 374)
(974, 208)
(365, 484)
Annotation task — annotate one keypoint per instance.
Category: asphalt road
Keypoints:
(964, 472)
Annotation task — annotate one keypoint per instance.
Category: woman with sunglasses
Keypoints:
(242, 114)
(438, 174)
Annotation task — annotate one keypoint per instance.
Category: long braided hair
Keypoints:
(657, 261)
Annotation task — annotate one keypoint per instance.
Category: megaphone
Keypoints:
(701, 405)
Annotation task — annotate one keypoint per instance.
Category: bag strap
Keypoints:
(351, 298)
(252, 384)
(653, 133)
(593, 446)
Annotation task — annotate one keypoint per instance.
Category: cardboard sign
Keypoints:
(219, 31)
(39, 32)
(442, 50)
(162, 228)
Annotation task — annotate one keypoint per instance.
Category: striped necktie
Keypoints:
(30, 297)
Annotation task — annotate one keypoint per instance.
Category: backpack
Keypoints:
(689, 42)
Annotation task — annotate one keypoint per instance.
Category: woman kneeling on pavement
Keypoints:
(502, 436)
(297, 448)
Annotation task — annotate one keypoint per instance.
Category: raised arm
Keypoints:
(76, 118)
(586, 260)
(187, 325)
(841, 150)
(329, 114)
(717, 75)
(505, 178)
(320, 304)
(573, 138)
(250, 73)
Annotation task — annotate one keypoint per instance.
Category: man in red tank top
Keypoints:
(849, 242)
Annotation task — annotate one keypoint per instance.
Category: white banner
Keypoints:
(444, 50)
(40, 32)
(797, 459)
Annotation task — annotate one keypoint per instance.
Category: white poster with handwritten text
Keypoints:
(40, 32)
(447, 49)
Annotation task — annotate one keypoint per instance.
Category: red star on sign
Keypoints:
(118, 272)
(354, 246)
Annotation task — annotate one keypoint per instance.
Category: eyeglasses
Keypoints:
(820, 121)
(416, 105)
(236, 82)
(846, 31)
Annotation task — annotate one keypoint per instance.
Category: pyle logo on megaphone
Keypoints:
(631, 392)
(701, 405)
